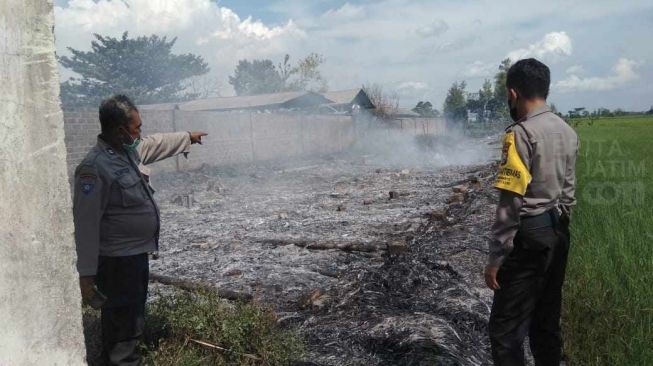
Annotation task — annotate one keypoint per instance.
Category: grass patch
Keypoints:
(199, 328)
(193, 329)
(608, 294)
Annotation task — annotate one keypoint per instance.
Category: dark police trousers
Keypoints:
(124, 281)
(529, 300)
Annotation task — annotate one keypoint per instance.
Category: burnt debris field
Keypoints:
(374, 261)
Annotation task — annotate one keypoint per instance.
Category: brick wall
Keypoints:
(81, 128)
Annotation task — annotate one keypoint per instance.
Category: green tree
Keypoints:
(499, 107)
(619, 112)
(307, 75)
(604, 112)
(482, 106)
(425, 109)
(455, 104)
(256, 77)
(261, 76)
(143, 68)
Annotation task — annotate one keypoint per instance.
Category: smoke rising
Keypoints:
(397, 148)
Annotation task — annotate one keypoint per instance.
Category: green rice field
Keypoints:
(608, 295)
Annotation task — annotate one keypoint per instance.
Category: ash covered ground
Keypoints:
(375, 255)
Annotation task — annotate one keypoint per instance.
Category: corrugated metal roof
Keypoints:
(261, 101)
(240, 102)
(342, 96)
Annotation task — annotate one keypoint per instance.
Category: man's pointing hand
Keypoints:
(196, 137)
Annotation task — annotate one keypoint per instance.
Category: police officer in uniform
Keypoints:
(530, 235)
(117, 222)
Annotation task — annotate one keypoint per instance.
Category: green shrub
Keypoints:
(247, 333)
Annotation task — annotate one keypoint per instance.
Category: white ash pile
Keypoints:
(376, 265)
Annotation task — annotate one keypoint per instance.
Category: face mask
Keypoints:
(133, 145)
(513, 112)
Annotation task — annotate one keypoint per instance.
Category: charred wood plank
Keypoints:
(347, 246)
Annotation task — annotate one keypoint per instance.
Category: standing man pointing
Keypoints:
(117, 223)
(530, 236)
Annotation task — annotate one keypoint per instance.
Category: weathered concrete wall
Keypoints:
(248, 137)
(421, 126)
(40, 313)
(234, 137)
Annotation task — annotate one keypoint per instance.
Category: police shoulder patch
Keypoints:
(87, 178)
(87, 183)
(513, 175)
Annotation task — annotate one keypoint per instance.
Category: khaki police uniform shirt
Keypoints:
(536, 174)
(113, 208)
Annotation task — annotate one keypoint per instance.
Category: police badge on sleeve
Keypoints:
(87, 183)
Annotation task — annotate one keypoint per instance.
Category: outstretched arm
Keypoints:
(161, 146)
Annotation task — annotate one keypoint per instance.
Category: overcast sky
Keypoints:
(600, 52)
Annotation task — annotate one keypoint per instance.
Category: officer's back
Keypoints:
(530, 236)
(549, 146)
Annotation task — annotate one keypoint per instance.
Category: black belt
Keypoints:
(549, 218)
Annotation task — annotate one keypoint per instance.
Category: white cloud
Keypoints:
(434, 29)
(411, 89)
(623, 72)
(551, 47)
(575, 70)
(347, 11)
(412, 85)
(479, 69)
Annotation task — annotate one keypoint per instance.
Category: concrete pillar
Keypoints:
(40, 313)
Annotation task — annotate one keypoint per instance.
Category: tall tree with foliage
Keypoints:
(499, 105)
(482, 105)
(425, 109)
(143, 68)
(261, 76)
(455, 104)
(486, 98)
(307, 74)
(256, 77)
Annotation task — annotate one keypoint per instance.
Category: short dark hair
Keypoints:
(530, 78)
(115, 112)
